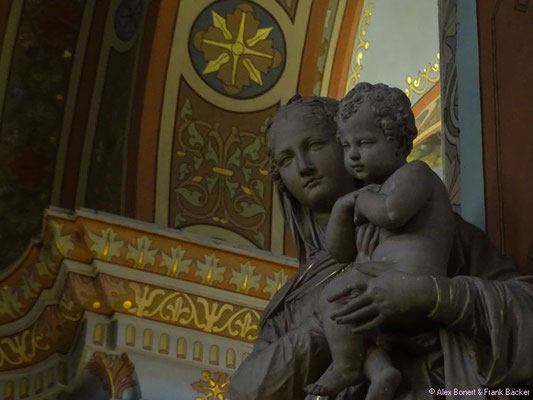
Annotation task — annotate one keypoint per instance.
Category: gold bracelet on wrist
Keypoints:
(439, 298)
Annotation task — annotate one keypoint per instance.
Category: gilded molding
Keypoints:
(424, 80)
(53, 332)
(179, 308)
(85, 239)
(361, 45)
(56, 327)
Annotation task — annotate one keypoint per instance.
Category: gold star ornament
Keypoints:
(237, 49)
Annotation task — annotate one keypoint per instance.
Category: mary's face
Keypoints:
(310, 161)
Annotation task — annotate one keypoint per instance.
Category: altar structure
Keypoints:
(140, 234)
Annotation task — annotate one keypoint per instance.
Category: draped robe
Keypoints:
(481, 338)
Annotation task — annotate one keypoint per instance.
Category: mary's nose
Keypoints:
(305, 166)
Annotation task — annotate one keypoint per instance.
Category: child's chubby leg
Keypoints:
(347, 350)
(383, 376)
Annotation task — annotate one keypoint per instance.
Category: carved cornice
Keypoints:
(87, 238)
(87, 263)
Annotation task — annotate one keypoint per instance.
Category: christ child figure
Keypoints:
(409, 205)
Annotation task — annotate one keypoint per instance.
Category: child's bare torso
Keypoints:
(423, 244)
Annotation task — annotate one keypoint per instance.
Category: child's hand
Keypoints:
(347, 201)
(373, 187)
(358, 218)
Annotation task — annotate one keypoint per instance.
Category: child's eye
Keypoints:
(362, 142)
(315, 145)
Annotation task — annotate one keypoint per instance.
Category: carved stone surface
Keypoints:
(306, 343)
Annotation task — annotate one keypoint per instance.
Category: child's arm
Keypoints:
(340, 233)
(413, 187)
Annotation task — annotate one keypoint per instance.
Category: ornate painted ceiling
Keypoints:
(157, 110)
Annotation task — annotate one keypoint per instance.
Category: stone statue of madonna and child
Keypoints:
(396, 297)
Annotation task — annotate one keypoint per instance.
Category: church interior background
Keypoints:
(139, 231)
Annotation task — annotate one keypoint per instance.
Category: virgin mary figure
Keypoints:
(465, 334)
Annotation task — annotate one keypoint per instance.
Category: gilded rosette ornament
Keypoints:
(242, 49)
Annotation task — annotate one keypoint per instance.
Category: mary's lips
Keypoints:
(311, 182)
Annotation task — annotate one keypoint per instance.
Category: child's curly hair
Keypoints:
(390, 106)
(321, 110)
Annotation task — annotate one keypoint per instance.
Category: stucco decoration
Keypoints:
(237, 48)
(87, 239)
(116, 371)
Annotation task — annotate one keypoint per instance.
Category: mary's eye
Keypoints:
(366, 142)
(284, 161)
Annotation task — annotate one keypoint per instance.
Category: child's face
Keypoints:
(369, 155)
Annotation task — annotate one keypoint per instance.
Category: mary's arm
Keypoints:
(494, 318)
(487, 305)
(491, 305)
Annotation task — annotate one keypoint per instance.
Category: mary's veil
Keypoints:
(307, 235)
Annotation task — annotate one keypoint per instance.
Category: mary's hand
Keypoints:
(388, 296)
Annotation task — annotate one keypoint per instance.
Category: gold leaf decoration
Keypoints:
(209, 270)
(243, 44)
(63, 243)
(105, 246)
(143, 254)
(361, 45)
(176, 262)
(246, 278)
(214, 387)
(273, 285)
(261, 34)
(423, 82)
(214, 65)
(255, 74)
(220, 23)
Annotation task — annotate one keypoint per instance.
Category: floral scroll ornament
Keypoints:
(237, 50)
(221, 178)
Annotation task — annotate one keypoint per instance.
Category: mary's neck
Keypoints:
(321, 219)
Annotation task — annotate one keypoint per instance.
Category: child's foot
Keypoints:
(383, 385)
(333, 381)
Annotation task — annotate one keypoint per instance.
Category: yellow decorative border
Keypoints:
(84, 239)
(423, 82)
(55, 329)
(361, 45)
